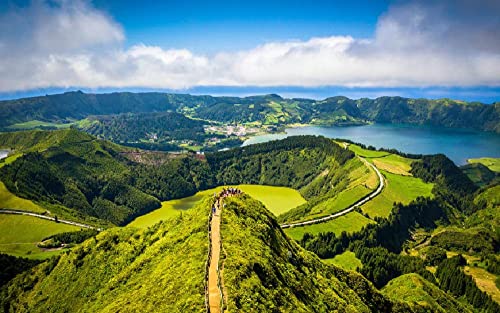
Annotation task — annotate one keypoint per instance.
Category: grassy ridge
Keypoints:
(150, 270)
(264, 271)
(415, 290)
(492, 163)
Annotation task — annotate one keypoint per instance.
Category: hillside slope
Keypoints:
(160, 269)
(266, 109)
(415, 290)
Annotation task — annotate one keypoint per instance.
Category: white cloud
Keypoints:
(70, 43)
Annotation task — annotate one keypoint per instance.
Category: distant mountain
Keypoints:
(268, 109)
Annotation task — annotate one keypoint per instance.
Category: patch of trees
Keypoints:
(134, 127)
(481, 241)
(450, 183)
(67, 238)
(10, 266)
(452, 278)
(388, 233)
(392, 151)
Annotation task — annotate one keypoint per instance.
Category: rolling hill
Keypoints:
(268, 109)
(161, 269)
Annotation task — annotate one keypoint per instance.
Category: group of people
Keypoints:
(226, 192)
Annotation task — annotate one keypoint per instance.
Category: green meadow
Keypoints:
(36, 124)
(11, 201)
(346, 260)
(276, 199)
(367, 153)
(19, 235)
(492, 163)
(394, 163)
(398, 188)
(351, 222)
(339, 202)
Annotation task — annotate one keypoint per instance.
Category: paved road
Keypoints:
(349, 209)
(18, 212)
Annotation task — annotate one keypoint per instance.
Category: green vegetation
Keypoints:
(34, 124)
(11, 266)
(276, 199)
(264, 271)
(394, 164)
(335, 189)
(413, 289)
(465, 240)
(480, 175)
(351, 222)
(400, 189)
(20, 234)
(10, 201)
(268, 109)
(492, 163)
(156, 269)
(346, 260)
(452, 278)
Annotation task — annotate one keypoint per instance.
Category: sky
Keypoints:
(314, 49)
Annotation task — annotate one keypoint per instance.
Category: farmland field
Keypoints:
(398, 189)
(20, 234)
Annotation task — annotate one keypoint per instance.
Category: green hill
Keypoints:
(161, 269)
(267, 109)
(75, 174)
(156, 269)
(416, 291)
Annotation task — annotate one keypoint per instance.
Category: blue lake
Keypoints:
(458, 144)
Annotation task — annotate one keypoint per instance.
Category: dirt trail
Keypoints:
(214, 294)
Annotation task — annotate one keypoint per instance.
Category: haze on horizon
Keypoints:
(358, 49)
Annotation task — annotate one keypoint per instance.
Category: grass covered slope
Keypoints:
(265, 271)
(20, 234)
(159, 269)
(414, 289)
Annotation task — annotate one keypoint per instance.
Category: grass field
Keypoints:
(277, 199)
(485, 281)
(35, 124)
(367, 153)
(338, 203)
(351, 222)
(11, 201)
(346, 260)
(398, 189)
(492, 163)
(394, 164)
(19, 235)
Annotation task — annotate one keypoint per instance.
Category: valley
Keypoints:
(375, 229)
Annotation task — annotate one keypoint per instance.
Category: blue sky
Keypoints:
(316, 49)
(208, 26)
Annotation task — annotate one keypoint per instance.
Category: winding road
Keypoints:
(29, 213)
(349, 209)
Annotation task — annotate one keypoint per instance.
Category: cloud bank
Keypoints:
(416, 44)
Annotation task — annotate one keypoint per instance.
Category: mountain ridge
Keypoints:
(269, 109)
